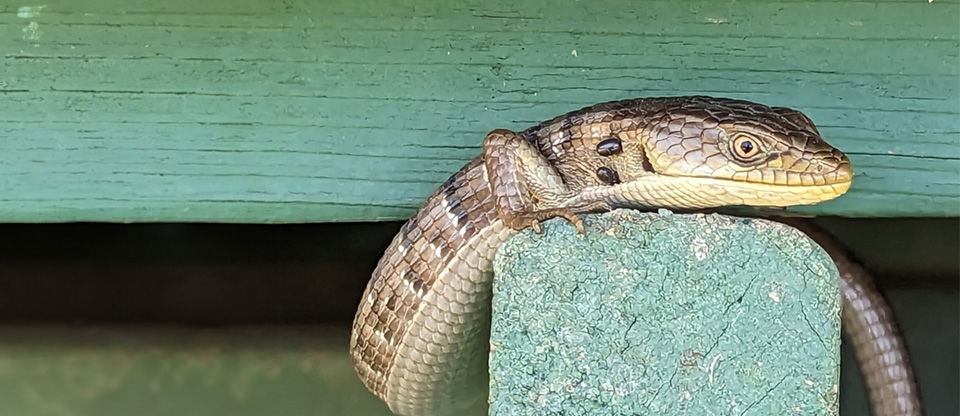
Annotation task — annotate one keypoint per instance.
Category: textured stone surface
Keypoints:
(656, 313)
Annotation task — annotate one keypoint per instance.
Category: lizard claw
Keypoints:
(577, 223)
(532, 220)
(536, 226)
(568, 215)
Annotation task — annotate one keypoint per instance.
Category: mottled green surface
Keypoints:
(665, 314)
(151, 371)
(263, 111)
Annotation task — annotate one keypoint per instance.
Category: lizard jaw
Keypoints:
(690, 192)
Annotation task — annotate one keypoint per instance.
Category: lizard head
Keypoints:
(740, 153)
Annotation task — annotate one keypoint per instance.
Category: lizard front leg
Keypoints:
(526, 188)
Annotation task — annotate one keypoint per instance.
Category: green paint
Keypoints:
(166, 371)
(302, 111)
(664, 314)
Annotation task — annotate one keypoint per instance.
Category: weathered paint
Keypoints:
(664, 314)
(27, 12)
(302, 111)
(153, 371)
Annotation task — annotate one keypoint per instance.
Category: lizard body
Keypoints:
(419, 338)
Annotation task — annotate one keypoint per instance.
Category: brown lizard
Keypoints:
(419, 338)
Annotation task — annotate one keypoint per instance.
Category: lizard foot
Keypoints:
(532, 220)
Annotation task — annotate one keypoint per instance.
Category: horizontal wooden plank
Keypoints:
(249, 111)
(107, 370)
(156, 370)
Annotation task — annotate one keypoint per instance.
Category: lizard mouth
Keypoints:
(825, 180)
(715, 192)
(694, 192)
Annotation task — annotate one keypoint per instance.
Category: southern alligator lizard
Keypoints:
(419, 338)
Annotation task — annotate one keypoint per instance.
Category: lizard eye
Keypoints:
(745, 147)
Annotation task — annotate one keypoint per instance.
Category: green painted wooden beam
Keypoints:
(303, 111)
(147, 370)
(162, 371)
(664, 314)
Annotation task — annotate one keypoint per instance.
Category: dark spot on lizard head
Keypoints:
(608, 176)
(609, 147)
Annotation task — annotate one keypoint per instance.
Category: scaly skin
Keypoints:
(419, 338)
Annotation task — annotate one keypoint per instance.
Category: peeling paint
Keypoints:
(700, 248)
(31, 32)
(29, 12)
(713, 368)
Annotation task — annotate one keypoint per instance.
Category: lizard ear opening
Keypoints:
(645, 161)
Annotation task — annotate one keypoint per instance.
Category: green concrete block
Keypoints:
(666, 314)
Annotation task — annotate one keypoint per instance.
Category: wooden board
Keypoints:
(303, 111)
(157, 370)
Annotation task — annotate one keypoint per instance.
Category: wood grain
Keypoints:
(302, 111)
